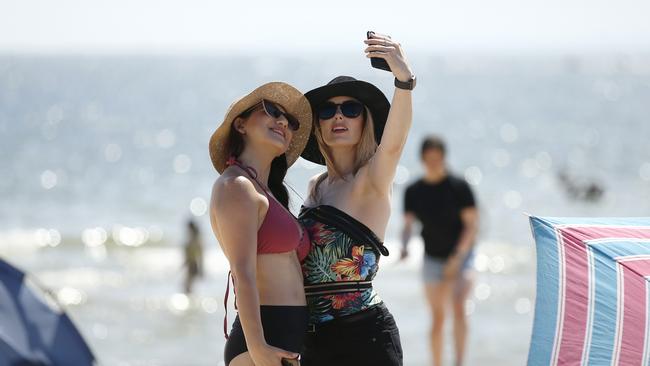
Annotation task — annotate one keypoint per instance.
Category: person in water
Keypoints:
(193, 251)
(444, 204)
(359, 136)
(262, 134)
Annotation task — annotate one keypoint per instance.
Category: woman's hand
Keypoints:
(266, 355)
(383, 165)
(384, 47)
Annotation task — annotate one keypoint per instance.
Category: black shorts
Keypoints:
(284, 327)
(367, 338)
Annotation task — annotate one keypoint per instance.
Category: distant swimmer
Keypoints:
(193, 256)
(579, 189)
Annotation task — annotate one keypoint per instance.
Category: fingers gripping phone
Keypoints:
(376, 62)
(290, 362)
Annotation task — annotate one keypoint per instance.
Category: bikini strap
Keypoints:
(252, 173)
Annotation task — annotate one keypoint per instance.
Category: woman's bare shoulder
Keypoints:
(233, 188)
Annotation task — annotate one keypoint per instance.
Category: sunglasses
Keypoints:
(273, 111)
(350, 109)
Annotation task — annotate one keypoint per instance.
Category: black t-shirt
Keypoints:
(437, 206)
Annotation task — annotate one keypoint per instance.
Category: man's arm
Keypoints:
(409, 219)
(469, 217)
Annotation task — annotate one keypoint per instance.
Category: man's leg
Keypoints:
(462, 287)
(438, 294)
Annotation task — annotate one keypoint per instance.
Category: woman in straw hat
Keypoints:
(262, 134)
(359, 137)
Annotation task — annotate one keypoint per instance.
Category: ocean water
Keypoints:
(105, 157)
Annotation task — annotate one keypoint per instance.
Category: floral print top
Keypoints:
(343, 259)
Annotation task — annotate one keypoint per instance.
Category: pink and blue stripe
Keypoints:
(592, 291)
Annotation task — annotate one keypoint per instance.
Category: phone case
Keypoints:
(376, 62)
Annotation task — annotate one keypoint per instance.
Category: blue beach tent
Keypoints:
(33, 332)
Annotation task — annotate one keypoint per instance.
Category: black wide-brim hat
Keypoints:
(363, 91)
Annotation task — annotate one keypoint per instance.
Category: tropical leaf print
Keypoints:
(339, 247)
(369, 260)
(334, 257)
(320, 309)
(320, 234)
(340, 301)
(319, 304)
(317, 268)
(350, 268)
(346, 269)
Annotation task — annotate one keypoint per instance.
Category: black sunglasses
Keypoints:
(273, 111)
(349, 109)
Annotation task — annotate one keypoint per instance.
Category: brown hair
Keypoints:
(432, 142)
(366, 148)
(235, 146)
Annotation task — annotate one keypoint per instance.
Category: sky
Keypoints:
(310, 26)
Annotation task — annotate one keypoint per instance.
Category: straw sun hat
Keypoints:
(283, 94)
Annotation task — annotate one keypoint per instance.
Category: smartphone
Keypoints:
(290, 362)
(376, 62)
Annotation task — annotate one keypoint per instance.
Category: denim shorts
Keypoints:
(433, 268)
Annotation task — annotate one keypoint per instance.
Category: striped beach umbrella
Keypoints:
(33, 331)
(593, 291)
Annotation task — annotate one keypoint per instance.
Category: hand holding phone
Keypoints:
(387, 54)
(290, 362)
(376, 62)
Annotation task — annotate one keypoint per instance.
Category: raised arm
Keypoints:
(383, 165)
(234, 214)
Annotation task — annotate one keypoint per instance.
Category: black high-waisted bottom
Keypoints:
(284, 327)
(367, 338)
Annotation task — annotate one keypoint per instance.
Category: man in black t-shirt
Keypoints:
(445, 206)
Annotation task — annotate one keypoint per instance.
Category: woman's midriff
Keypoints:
(279, 279)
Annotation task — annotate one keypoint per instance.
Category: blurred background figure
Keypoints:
(193, 263)
(580, 189)
(445, 206)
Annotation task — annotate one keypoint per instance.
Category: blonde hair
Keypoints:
(366, 148)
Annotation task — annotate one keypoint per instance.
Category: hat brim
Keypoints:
(290, 98)
(366, 93)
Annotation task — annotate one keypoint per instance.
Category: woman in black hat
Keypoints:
(359, 137)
